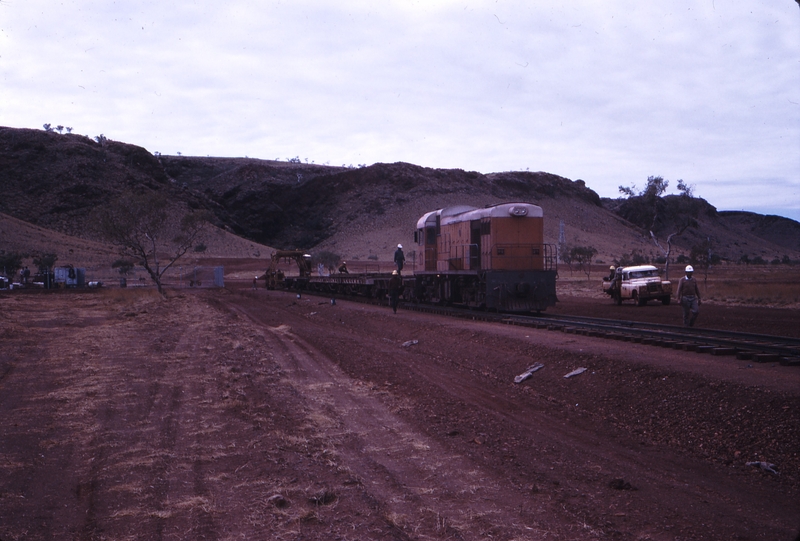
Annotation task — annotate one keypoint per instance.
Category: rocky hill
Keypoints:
(55, 182)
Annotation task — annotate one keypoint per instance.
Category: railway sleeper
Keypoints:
(766, 357)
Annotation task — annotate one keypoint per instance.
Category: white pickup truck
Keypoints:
(640, 284)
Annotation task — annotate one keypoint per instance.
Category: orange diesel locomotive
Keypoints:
(493, 257)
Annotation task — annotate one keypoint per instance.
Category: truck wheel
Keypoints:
(665, 301)
(639, 301)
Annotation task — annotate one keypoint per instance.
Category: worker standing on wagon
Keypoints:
(689, 297)
(395, 285)
(399, 257)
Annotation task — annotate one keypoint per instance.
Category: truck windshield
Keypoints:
(644, 274)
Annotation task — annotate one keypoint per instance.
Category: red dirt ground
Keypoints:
(240, 414)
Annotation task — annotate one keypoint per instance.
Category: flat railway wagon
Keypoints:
(490, 258)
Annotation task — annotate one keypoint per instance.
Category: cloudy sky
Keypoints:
(610, 92)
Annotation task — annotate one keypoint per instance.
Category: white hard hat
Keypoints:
(400, 246)
(689, 268)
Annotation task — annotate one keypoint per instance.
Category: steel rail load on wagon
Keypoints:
(491, 258)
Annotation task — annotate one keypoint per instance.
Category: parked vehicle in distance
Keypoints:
(640, 284)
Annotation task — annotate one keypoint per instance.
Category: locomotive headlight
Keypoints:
(517, 211)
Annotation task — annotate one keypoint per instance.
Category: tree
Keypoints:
(636, 257)
(565, 255)
(123, 266)
(644, 205)
(656, 186)
(668, 250)
(10, 263)
(45, 262)
(702, 255)
(329, 259)
(143, 227)
(649, 210)
(685, 189)
(583, 255)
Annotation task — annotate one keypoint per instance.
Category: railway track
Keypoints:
(742, 346)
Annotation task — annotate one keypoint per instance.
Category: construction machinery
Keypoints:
(275, 277)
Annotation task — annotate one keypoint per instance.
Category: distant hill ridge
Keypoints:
(55, 181)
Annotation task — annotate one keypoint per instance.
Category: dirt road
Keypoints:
(252, 414)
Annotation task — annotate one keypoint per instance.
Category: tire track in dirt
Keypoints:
(424, 489)
(574, 460)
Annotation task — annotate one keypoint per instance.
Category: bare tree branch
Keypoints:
(139, 225)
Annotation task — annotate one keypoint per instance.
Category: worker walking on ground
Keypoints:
(689, 297)
(395, 286)
(399, 257)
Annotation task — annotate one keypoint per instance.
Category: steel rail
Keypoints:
(744, 346)
(712, 333)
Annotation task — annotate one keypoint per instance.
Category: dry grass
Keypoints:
(755, 285)
(764, 285)
(130, 295)
(779, 295)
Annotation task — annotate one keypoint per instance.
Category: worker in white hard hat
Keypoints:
(399, 257)
(689, 297)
